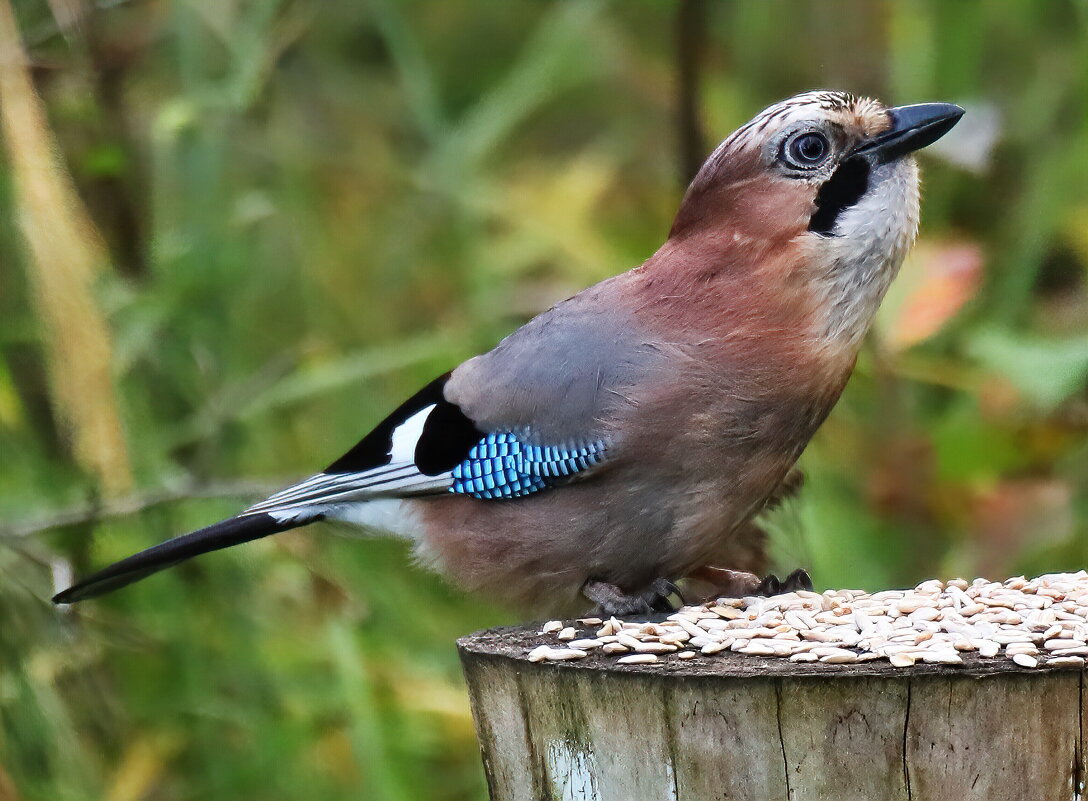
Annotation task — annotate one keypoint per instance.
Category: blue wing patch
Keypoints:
(502, 466)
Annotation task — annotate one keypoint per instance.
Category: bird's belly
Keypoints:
(675, 494)
(539, 551)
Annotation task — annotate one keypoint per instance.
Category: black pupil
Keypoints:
(810, 148)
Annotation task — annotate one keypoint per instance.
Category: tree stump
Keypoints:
(747, 728)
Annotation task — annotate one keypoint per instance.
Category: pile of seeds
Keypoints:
(1040, 621)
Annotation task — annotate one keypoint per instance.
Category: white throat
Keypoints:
(871, 239)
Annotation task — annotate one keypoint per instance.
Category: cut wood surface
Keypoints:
(745, 728)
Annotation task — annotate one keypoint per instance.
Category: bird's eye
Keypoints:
(807, 150)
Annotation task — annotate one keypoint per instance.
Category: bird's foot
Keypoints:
(770, 585)
(739, 584)
(611, 601)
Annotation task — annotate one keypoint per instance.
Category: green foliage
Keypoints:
(338, 201)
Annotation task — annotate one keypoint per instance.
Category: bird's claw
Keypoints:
(611, 601)
(799, 579)
(659, 593)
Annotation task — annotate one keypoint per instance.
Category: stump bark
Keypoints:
(746, 728)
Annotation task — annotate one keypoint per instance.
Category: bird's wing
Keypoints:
(530, 414)
(427, 446)
(546, 405)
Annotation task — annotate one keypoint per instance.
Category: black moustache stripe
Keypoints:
(841, 191)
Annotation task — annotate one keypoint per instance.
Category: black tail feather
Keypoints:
(229, 532)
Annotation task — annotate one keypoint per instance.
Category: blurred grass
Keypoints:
(326, 204)
(65, 256)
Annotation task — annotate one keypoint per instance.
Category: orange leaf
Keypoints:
(949, 277)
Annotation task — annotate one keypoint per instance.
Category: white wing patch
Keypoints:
(397, 478)
(406, 435)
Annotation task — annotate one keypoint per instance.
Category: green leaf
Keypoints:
(1046, 371)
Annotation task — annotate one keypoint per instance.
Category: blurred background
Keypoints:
(235, 233)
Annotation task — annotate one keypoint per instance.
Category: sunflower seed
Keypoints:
(637, 659)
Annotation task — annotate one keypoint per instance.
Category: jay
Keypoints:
(625, 438)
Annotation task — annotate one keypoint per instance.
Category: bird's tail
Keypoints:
(228, 532)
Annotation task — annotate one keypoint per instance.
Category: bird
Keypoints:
(627, 437)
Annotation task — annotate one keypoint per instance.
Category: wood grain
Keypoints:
(739, 728)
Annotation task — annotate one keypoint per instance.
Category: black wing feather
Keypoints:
(448, 436)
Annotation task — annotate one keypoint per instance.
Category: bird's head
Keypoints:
(825, 175)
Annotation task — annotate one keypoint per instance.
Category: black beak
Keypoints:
(913, 127)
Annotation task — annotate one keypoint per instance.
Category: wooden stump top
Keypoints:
(515, 642)
(750, 728)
